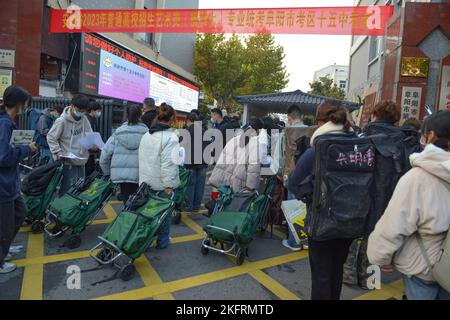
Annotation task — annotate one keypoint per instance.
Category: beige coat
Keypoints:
(420, 204)
(239, 166)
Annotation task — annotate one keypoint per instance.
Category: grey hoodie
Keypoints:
(65, 136)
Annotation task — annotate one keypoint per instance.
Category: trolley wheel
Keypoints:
(205, 250)
(73, 242)
(57, 228)
(240, 257)
(176, 217)
(37, 227)
(104, 254)
(127, 272)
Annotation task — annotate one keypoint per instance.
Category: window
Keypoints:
(374, 48)
(342, 84)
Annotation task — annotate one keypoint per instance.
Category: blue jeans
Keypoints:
(291, 239)
(196, 189)
(71, 174)
(164, 233)
(418, 289)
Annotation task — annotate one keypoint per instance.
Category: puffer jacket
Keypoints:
(159, 158)
(120, 156)
(239, 164)
(65, 136)
(420, 205)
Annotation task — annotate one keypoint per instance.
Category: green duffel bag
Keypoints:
(33, 204)
(76, 211)
(238, 223)
(180, 192)
(132, 232)
(69, 209)
(258, 209)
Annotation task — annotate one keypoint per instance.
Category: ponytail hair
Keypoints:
(166, 113)
(334, 111)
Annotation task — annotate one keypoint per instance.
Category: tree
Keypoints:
(218, 66)
(263, 66)
(229, 67)
(325, 87)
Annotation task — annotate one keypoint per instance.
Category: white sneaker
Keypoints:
(15, 249)
(286, 244)
(305, 246)
(7, 268)
(8, 257)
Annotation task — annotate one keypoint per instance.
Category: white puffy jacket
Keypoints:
(159, 159)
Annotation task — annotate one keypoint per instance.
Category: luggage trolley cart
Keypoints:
(133, 231)
(237, 224)
(38, 200)
(78, 208)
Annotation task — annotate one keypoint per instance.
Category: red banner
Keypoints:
(336, 20)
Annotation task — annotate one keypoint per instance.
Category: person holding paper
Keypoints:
(12, 208)
(64, 140)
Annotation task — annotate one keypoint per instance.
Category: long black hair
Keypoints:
(13, 96)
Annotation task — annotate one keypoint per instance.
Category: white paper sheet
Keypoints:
(72, 156)
(294, 211)
(91, 139)
(22, 137)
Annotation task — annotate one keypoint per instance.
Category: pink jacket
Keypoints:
(420, 204)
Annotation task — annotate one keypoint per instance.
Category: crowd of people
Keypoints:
(409, 237)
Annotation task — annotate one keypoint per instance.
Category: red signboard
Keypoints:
(369, 20)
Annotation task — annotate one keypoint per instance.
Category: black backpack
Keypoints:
(349, 172)
(35, 183)
(405, 138)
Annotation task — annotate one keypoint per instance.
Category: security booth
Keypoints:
(261, 105)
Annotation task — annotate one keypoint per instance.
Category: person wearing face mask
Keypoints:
(415, 224)
(93, 115)
(65, 138)
(45, 123)
(12, 208)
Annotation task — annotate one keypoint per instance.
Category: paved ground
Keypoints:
(178, 272)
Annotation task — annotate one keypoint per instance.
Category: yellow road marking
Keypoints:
(52, 258)
(388, 291)
(115, 202)
(277, 233)
(191, 224)
(25, 229)
(274, 286)
(33, 276)
(177, 285)
(188, 238)
(149, 276)
(109, 212)
(83, 254)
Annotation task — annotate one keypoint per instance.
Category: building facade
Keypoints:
(338, 73)
(408, 65)
(49, 64)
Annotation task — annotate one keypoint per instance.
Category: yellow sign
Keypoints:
(415, 67)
